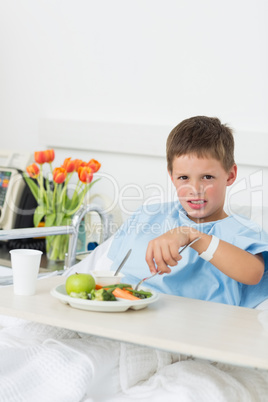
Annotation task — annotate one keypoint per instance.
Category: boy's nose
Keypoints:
(197, 188)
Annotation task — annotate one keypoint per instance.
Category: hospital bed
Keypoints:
(175, 349)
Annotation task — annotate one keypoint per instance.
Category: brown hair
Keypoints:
(202, 136)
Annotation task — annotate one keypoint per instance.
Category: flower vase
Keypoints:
(59, 200)
(57, 247)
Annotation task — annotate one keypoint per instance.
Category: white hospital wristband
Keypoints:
(213, 245)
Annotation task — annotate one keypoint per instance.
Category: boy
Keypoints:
(229, 262)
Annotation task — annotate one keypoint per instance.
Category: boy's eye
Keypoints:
(182, 177)
(208, 177)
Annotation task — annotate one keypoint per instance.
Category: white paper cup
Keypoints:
(25, 265)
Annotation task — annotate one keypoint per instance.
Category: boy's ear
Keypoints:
(232, 175)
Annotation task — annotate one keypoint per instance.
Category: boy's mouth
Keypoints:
(196, 204)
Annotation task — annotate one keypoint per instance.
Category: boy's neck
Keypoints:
(212, 218)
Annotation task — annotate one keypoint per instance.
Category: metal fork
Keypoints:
(149, 277)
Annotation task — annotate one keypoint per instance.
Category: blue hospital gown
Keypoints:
(193, 277)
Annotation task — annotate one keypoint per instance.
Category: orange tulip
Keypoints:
(85, 174)
(59, 175)
(44, 156)
(77, 164)
(94, 165)
(40, 157)
(33, 170)
(69, 165)
(50, 155)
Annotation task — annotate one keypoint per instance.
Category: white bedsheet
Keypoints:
(44, 363)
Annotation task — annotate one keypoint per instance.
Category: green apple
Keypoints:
(78, 283)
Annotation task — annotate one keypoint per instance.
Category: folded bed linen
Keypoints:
(45, 363)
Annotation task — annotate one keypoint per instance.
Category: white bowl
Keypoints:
(106, 278)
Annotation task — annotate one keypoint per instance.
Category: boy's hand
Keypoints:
(238, 264)
(164, 250)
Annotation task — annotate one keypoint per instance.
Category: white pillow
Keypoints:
(255, 213)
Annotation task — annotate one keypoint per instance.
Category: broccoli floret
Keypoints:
(81, 295)
(102, 295)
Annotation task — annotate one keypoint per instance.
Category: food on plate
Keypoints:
(102, 295)
(110, 293)
(124, 294)
(80, 295)
(80, 285)
(106, 278)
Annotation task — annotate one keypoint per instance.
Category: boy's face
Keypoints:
(201, 186)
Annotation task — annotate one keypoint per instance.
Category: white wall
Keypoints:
(137, 62)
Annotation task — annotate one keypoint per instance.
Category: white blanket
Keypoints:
(40, 363)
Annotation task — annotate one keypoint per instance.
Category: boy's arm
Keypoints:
(238, 264)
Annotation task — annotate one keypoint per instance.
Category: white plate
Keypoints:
(105, 306)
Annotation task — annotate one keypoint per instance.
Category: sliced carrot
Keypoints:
(123, 294)
(97, 287)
